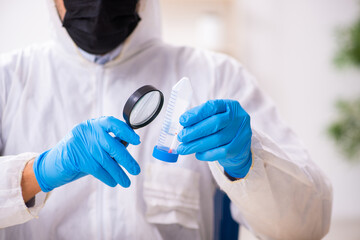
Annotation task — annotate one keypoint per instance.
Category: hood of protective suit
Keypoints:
(146, 33)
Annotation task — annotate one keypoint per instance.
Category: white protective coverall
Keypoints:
(46, 89)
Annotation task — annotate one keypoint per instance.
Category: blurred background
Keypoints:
(290, 47)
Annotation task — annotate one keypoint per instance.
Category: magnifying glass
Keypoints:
(142, 107)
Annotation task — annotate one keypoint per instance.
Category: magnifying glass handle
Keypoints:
(124, 143)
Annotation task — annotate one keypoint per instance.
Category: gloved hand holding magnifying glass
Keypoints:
(90, 149)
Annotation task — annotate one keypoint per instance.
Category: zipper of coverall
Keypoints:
(99, 72)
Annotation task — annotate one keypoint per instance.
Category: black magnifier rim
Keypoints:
(134, 98)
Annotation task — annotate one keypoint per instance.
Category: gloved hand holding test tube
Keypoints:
(218, 130)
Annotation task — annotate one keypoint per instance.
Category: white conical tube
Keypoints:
(179, 102)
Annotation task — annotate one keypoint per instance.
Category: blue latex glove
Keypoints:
(89, 149)
(218, 130)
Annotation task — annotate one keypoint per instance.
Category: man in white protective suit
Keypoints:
(63, 176)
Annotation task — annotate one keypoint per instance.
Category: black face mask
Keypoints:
(99, 26)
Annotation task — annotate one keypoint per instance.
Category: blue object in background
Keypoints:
(224, 226)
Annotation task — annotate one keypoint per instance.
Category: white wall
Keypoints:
(22, 22)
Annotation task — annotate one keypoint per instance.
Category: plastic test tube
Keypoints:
(179, 102)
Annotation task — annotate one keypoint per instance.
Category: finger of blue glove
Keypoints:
(213, 154)
(204, 128)
(228, 151)
(100, 173)
(239, 144)
(119, 129)
(202, 112)
(118, 151)
(218, 139)
(115, 171)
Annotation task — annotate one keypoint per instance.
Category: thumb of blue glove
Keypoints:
(218, 130)
(89, 149)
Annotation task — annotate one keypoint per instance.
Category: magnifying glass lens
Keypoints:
(145, 108)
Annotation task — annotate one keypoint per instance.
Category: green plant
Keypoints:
(346, 130)
(349, 52)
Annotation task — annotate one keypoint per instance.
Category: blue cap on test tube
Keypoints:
(164, 155)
